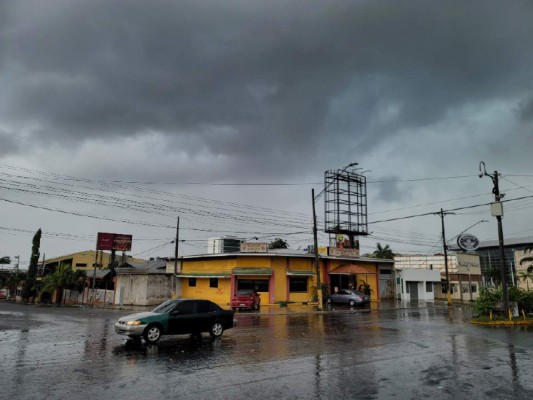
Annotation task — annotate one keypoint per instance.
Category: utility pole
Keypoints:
(448, 293)
(174, 283)
(317, 261)
(497, 211)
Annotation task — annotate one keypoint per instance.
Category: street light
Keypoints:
(497, 211)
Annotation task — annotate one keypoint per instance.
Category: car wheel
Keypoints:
(329, 301)
(152, 334)
(352, 303)
(216, 330)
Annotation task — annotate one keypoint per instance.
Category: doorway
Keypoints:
(412, 289)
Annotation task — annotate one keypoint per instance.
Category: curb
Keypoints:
(502, 323)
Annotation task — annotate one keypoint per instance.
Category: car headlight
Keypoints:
(133, 323)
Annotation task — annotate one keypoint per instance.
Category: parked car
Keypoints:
(176, 317)
(3, 294)
(351, 297)
(246, 299)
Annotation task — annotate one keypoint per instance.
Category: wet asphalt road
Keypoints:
(414, 353)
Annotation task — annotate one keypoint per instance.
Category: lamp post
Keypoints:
(497, 211)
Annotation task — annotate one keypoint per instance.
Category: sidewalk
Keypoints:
(292, 308)
(299, 308)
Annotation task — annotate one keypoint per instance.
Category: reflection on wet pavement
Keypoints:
(382, 353)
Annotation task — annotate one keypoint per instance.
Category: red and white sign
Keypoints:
(113, 241)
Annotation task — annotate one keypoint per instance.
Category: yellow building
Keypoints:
(84, 260)
(279, 276)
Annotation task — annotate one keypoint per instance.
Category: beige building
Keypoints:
(521, 266)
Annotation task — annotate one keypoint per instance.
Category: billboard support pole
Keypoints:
(317, 260)
(174, 283)
(94, 272)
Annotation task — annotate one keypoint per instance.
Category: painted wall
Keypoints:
(421, 277)
(220, 295)
(143, 290)
(278, 282)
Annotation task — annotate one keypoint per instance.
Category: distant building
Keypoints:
(463, 271)
(84, 260)
(225, 244)
(490, 260)
(521, 267)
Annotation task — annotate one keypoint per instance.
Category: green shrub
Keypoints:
(488, 297)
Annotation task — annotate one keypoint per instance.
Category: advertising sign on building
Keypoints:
(339, 252)
(468, 242)
(254, 247)
(113, 241)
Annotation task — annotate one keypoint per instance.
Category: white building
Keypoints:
(417, 284)
(464, 274)
(225, 244)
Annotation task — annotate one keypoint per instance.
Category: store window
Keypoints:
(298, 284)
(429, 287)
(213, 282)
(192, 282)
(259, 285)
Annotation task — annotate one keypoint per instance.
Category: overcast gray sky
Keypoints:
(254, 92)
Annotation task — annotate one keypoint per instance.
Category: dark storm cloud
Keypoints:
(261, 82)
(526, 109)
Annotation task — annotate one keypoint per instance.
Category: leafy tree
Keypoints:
(278, 243)
(63, 278)
(29, 283)
(13, 280)
(383, 252)
(5, 260)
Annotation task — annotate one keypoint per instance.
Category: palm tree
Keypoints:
(525, 276)
(278, 243)
(63, 278)
(383, 252)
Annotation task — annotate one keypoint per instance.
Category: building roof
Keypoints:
(98, 274)
(286, 253)
(147, 267)
(507, 242)
(85, 253)
(252, 271)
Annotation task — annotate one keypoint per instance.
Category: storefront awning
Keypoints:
(204, 275)
(252, 271)
(350, 269)
(301, 273)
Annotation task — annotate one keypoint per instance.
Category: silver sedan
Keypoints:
(351, 297)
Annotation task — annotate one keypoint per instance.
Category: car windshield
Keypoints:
(165, 307)
(245, 292)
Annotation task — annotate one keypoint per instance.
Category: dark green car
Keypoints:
(176, 317)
